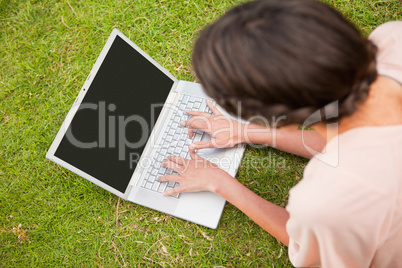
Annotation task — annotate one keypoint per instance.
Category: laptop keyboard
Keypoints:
(175, 141)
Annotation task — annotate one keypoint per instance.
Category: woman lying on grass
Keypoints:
(281, 61)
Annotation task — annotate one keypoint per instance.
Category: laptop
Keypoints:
(126, 120)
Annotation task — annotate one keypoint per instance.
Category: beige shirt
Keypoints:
(350, 214)
(388, 38)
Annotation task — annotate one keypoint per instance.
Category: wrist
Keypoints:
(218, 183)
(257, 134)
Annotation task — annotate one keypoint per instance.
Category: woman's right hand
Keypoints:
(224, 132)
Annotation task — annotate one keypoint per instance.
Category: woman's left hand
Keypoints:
(194, 175)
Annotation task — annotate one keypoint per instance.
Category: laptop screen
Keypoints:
(108, 133)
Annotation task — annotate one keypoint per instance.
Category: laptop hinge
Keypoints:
(128, 191)
(176, 87)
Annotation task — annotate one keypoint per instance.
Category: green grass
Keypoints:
(50, 217)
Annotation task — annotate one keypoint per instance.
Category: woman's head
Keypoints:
(284, 58)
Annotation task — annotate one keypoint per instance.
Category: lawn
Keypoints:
(50, 217)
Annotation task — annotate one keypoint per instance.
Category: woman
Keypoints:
(280, 62)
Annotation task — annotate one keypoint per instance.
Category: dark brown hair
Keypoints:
(284, 57)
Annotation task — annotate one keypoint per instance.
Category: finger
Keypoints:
(190, 131)
(192, 126)
(196, 113)
(174, 178)
(173, 166)
(175, 190)
(193, 155)
(201, 145)
(200, 116)
(199, 122)
(213, 108)
(177, 159)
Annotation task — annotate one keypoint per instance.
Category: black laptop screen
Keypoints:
(109, 131)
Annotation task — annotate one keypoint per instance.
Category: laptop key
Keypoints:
(197, 137)
(143, 183)
(152, 177)
(168, 188)
(153, 173)
(155, 186)
(197, 105)
(202, 106)
(162, 187)
(148, 185)
(177, 150)
(162, 171)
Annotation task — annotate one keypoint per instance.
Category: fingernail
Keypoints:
(191, 146)
(182, 124)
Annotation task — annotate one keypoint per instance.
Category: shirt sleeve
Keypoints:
(335, 221)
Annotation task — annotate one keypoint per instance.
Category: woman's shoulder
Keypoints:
(365, 154)
(388, 39)
(366, 167)
(388, 28)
